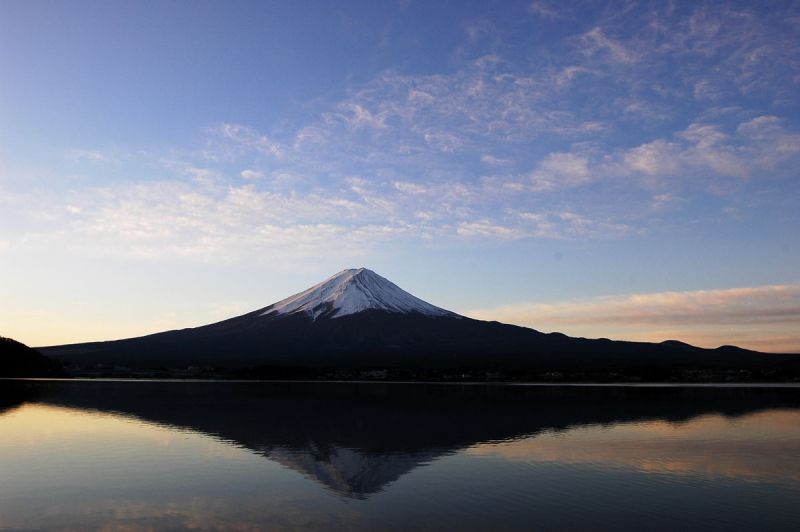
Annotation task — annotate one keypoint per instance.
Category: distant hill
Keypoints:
(19, 360)
(358, 324)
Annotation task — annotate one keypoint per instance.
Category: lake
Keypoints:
(100, 455)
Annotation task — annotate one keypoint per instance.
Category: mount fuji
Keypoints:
(351, 292)
(358, 321)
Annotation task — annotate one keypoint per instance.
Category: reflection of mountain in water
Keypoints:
(15, 393)
(350, 472)
(357, 438)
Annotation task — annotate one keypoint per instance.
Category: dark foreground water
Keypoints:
(248, 456)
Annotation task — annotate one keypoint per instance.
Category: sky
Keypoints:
(605, 169)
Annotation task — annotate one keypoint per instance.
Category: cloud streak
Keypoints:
(761, 317)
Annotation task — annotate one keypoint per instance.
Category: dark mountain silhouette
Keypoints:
(357, 438)
(19, 360)
(358, 320)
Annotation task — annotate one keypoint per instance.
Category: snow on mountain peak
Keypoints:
(351, 291)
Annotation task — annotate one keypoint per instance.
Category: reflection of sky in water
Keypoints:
(77, 469)
(764, 446)
(65, 467)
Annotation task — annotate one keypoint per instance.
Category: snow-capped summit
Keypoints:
(351, 291)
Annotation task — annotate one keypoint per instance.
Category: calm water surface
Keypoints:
(245, 456)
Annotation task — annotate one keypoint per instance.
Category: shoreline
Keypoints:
(449, 383)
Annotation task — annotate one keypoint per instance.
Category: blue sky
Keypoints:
(613, 169)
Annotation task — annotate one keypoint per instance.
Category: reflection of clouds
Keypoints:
(124, 473)
(247, 512)
(106, 437)
(32, 426)
(756, 447)
(112, 472)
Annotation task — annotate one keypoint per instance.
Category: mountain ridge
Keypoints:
(358, 321)
(19, 360)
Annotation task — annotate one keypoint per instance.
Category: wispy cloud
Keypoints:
(165, 219)
(561, 170)
(544, 9)
(226, 142)
(701, 154)
(94, 156)
(589, 137)
(251, 174)
(596, 43)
